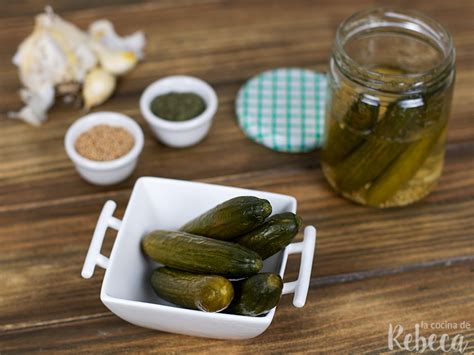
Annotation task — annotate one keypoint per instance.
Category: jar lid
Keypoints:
(283, 109)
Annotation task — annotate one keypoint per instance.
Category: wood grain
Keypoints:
(372, 267)
(348, 241)
(351, 316)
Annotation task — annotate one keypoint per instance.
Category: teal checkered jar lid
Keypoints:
(283, 109)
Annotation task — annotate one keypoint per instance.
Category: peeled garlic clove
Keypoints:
(98, 87)
(116, 62)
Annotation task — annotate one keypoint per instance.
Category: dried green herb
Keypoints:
(178, 106)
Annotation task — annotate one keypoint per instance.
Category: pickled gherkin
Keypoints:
(401, 170)
(372, 157)
(389, 156)
(362, 116)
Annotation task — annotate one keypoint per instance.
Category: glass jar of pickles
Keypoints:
(390, 87)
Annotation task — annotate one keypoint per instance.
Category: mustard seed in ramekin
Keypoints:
(104, 142)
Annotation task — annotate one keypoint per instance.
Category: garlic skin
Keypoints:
(98, 87)
(37, 103)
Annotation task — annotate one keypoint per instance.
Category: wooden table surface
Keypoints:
(372, 267)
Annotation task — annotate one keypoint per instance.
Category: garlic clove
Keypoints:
(116, 62)
(103, 32)
(98, 87)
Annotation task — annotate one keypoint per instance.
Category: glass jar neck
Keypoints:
(394, 51)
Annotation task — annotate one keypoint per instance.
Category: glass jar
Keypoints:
(389, 95)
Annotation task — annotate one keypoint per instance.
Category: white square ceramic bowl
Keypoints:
(158, 203)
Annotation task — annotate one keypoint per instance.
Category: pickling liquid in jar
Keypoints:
(389, 99)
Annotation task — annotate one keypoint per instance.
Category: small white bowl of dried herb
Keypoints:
(104, 147)
(179, 109)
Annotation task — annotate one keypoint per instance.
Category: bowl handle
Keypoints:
(94, 257)
(301, 285)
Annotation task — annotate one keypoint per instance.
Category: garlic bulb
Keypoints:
(98, 87)
(58, 57)
(56, 52)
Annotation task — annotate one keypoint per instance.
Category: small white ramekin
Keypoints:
(185, 133)
(104, 172)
